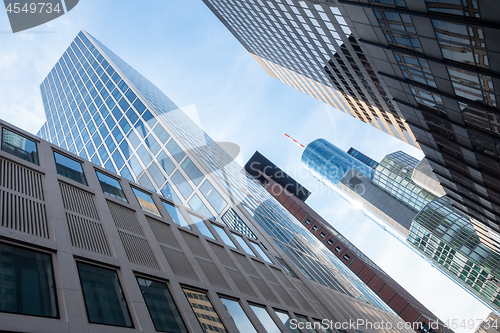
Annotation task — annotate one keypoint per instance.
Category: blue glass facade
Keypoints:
(100, 108)
(329, 163)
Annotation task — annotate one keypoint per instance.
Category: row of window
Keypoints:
(329, 242)
(27, 286)
(73, 169)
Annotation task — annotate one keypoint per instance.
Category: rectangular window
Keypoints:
(176, 151)
(314, 228)
(261, 252)
(161, 306)
(169, 193)
(27, 282)
(192, 171)
(285, 319)
(308, 221)
(338, 249)
(146, 202)
(198, 206)
(202, 227)
(239, 316)
(19, 146)
(322, 235)
(181, 183)
(233, 221)
(213, 197)
(204, 311)
(176, 215)
(222, 234)
(111, 186)
(69, 168)
(330, 242)
(103, 296)
(265, 319)
(244, 245)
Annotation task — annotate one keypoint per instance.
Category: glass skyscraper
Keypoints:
(329, 163)
(100, 108)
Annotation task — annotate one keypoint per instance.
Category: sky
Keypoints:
(184, 49)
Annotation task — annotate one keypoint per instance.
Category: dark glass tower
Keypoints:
(309, 46)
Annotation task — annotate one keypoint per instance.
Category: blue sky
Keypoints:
(182, 48)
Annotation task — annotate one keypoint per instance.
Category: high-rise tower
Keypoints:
(309, 46)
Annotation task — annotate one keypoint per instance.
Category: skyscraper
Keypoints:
(100, 108)
(309, 46)
(455, 243)
(438, 61)
(283, 188)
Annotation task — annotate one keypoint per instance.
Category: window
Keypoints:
(322, 235)
(182, 185)
(285, 319)
(103, 296)
(169, 193)
(330, 242)
(308, 221)
(192, 171)
(222, 234)
(146, 202)
(314, 228)
(19, 146)
(27, 282)
(198, 206)
(244, 245)
(233, 221)
(239, 316)
(176, 214)
(287, 268)
(261, 252)
(202, 227)
(204, 311)
(347, 257)
(338, 249)
(176, 151)
(111, 186)
(265, 319)
(69, 168)
(213, 197)
(161, 306)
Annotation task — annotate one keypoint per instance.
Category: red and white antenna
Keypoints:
(295, 141)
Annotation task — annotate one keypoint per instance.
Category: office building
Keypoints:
(309, 46)
(434, 62)
(393, 294)
(211, 237)
(458, 245)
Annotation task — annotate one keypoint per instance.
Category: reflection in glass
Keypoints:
(261, 252)
(192, 171)
(176, 215)
(27, 282)
(103, 296)
(70, 168)
(211, 194)
(146, 202)
(202, 227)
(222, 234)
(198, 206)
(181, 184)
(204, 311)
(111, 186)
(176, 151)
(239, 316)
(161, 306)
(19, 146)
(285, 319)
(265, 319)
(169, 193)
(244, 245)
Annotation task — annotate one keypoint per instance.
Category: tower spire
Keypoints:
(295, 141)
